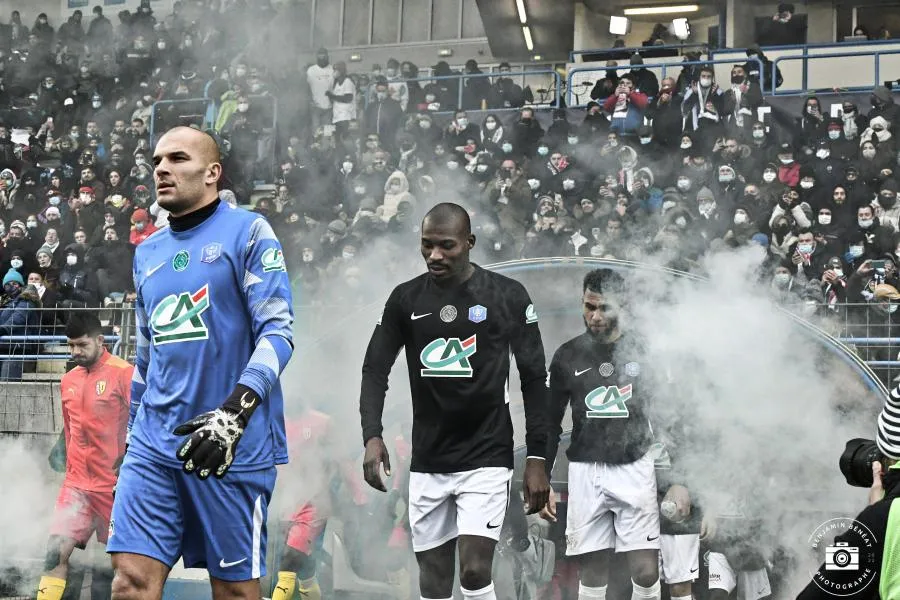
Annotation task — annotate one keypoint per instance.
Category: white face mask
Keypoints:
(740, 218)
(16, 263)
(463, 123)
(823, 153)
(347, 166)
(54, 201)
(684, 184)
(806, 185)
(543, 150)
(865, 223)
(243, 107)
(758, 134)
(782, 279)
(506, 147)
(534, 184)
(768, 176)
(452, 165)
(834, 134)
(490, 125)
(568, 184)
(681, 222)
(71, 260)
(685, 145)
(870, 154)
(824, 219)
(31, 224)
(726, 178)
(856, 251)
(96, 104)
(573, 140)
(347, 255)
(705, 82)
(786, 161)
(838, 272)
(307, 257)
(481, 168)
(646, 140)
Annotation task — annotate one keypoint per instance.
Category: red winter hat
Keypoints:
(140, 215)
(86, 190)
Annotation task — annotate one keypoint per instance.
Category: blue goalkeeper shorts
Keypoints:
(217, 524)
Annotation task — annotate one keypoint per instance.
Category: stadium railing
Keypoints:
(555, 89)
(833, 67)
(582, 76)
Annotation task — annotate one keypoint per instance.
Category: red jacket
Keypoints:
(137, 237)
(95, 407)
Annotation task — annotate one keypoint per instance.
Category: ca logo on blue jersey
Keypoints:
(608, 402)
(179, 317)
(448, 357)
(272, 260)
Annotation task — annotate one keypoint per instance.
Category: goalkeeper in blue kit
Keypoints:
(206, 428)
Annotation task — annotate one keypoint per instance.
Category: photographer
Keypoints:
(885, 488)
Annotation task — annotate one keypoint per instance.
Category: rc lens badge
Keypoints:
(101, 387)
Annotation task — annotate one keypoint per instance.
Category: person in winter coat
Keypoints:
(704, 109)
(19, 316)
(883, 105)
(112, 259)
(396, 190)
(627, 106)
(77, 283)
(143, 227)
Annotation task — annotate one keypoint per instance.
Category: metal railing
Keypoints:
(578, 76)
(811, 60)
(461, 92)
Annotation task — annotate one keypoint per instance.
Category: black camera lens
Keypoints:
(856, 461)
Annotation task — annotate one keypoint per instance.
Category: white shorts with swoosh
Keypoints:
(612, 506)
(443, 506)
(679, 557)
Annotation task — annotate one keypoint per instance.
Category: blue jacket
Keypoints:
(19, 317)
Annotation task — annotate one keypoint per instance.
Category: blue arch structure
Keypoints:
(835, 346)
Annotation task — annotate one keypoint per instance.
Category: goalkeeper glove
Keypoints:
(214, 435)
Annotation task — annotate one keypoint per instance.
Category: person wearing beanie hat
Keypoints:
(506, 93)
(12, 276)
(645, 80)
(143, 227)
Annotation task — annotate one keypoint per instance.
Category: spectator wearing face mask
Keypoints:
(883, 105)
(810, 124)
(396, 190)
(320, 78)
(872, 161)
(887, 209)
(494, 137)
(343, 100)
(19, 315)
(784, 286)
(143, 227)
(742, 100)
(77, 282)
(111, 259)
(505, 92)
(462, 136)
(627, 106)
(743, 227)
(397, 88)
(713, 222)
(704, 108)
(527, 133)
(384, 115)
(665, 112)
(879, 129)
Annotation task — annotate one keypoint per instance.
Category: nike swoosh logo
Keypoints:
(225, 565)
(153, 270)
(416, 317)
(652, 538)
(582, 372)
(695, 570)
(489, 526)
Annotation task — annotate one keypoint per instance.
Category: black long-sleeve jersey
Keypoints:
(607, 387)
(458, 343)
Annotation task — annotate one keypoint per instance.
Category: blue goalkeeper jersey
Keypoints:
(213, 310)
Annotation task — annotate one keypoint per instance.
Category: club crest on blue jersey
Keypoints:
(179, 317)
(211, 252)
(477, 313)
(181, 261)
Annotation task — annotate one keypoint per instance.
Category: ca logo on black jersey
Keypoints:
(448, 357)
(608, 402)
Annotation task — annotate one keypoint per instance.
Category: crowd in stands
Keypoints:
(677, 168)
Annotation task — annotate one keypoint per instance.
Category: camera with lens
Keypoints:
(856, 461)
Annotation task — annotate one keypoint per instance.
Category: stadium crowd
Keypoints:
(675, 168)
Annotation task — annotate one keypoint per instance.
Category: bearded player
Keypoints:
(612, 503)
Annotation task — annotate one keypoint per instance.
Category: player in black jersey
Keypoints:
(458, 323)
(612, 483)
